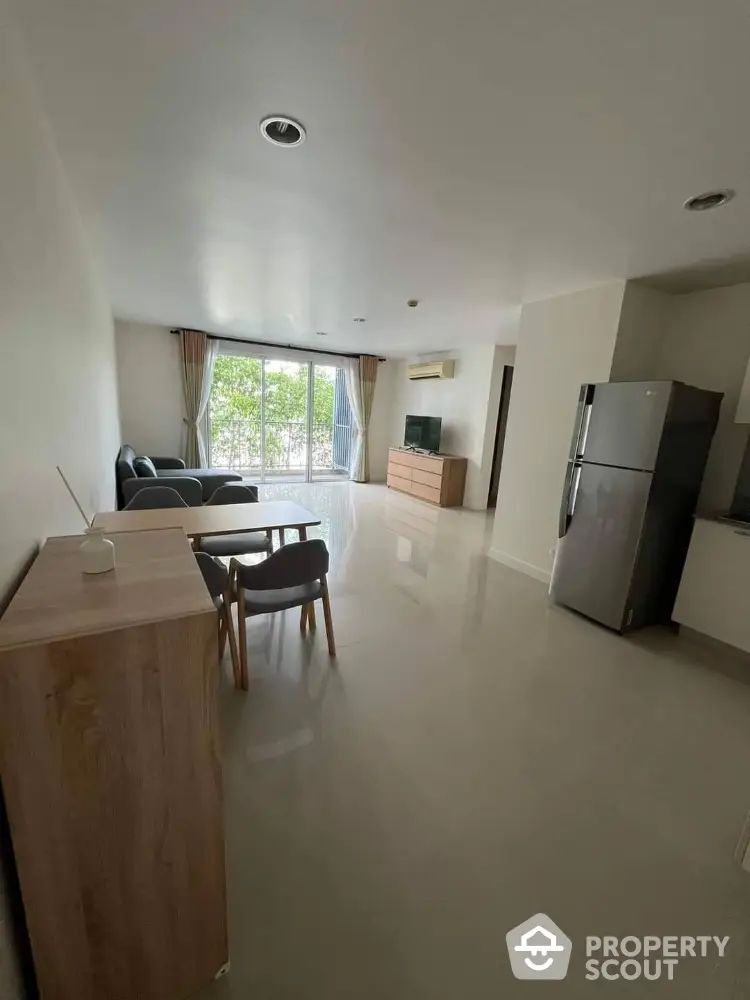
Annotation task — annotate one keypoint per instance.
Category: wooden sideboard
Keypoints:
(111, 771)
(439, 479)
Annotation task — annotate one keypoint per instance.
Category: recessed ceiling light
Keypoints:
(321, 333)
(709, 199)
(360, 319)
(283, 131)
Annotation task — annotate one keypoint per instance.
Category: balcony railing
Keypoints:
(236, 444)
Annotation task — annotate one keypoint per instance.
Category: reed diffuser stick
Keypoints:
(75, 498)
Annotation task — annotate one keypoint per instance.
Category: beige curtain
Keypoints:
(361, 375)
(197, 357)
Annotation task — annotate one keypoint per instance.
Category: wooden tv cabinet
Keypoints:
(439, 479)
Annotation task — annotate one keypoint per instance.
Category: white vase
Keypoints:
(97, 552)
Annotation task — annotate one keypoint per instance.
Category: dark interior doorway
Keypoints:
(502, 422)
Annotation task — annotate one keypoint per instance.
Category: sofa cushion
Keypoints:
(144, 467)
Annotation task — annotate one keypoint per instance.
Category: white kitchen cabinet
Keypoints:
(742, 416)
(714, 595)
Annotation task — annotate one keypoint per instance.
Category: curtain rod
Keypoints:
(291, 347)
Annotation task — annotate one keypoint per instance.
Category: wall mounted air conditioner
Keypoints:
(431, 369)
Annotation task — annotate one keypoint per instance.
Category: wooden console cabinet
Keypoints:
(439, 479)
(111, 772)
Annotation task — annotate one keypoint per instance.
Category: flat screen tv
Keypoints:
(422, 432)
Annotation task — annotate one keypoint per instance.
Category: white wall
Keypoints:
(57, 378)
(702, 338)
(468, 404)
(643, 321)
(150, 385)
(562, 343)
(58, 389)
(706, 342)
(152, 402)
(381, 419)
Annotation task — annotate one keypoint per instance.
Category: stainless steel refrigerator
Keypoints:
(634, 473)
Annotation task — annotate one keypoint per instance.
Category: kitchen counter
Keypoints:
(714, 595)
(733, 522)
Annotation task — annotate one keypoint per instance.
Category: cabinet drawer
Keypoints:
(402, 471)
(427, 464)
(396, 457)
(425, 492)
(414, 460)
(427, 479)
(399, 484)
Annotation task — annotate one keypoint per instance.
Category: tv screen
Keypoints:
(422, 432)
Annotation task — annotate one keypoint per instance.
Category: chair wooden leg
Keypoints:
(303, 619)
(311, 617)
(329, 623)
(222, 634)
(229, 627)
(242, 636)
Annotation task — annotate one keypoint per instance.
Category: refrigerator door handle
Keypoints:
(583, 417)
(577, 469)
(569, 497)
(564, 520)
(578, 425)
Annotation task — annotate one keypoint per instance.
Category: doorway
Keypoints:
(502, 422)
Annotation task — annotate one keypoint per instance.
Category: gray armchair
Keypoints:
(155, 498)
(216, 578)
(293, 577)
(241, 543)
(190, 490)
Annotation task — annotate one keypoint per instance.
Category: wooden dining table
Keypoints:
(219, 519)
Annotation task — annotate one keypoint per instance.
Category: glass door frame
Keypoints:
(310, 419)
(263, 478)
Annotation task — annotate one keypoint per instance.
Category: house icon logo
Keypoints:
(538, 949)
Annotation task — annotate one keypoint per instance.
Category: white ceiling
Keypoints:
(474, 155)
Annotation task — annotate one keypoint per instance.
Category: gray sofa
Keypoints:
(168, 472)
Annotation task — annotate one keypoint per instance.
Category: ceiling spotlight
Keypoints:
(360, 319)
(283, 131)
(412, 303)
(709, 199)
(321, 333)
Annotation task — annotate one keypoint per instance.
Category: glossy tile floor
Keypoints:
(474, 757)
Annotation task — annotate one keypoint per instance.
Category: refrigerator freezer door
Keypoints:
(596, 557)
(626, 424)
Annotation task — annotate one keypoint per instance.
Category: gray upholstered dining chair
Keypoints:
(217, 580)
(155, 498)
(244, 542)
(189, 489)
(293, 577)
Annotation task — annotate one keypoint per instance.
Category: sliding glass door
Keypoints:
(235, 407)
(275, 420)
(285, 423)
